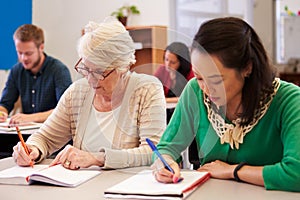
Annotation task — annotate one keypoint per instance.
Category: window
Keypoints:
(287, 26)
(190, 14)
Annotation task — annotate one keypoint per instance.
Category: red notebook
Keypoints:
(144, 186)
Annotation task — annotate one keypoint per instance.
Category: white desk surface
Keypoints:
(24, 132)
(93, 189)
(171, 105)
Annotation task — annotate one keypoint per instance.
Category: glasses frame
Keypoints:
(92, 72)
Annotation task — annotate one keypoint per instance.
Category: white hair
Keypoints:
(107, 44)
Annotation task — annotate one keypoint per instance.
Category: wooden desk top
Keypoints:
(94, 189)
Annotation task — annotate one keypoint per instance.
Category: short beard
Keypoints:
(37, 62)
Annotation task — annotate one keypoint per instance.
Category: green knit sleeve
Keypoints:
(285, 175)
(181, 128)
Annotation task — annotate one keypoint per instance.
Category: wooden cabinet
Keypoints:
(153, 41)
(291, 77)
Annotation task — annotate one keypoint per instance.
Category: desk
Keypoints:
(171, 105)
(94, 189)
(9, 139)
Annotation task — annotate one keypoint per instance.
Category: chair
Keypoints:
(193, 155)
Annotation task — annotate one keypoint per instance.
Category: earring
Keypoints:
(247, 75)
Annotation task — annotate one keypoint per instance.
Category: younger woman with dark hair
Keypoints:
(245, 121)
(175, 73)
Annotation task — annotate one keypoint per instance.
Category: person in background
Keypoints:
(38, 79)
(108, 114)
(245, 121)
(175, 73)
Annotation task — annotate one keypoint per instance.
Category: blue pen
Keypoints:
(154, 149)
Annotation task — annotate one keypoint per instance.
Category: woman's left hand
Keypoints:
(218, 169)
(73, 158)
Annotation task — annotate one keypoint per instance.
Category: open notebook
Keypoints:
(144, 186)
(5, 126)
(55, 175)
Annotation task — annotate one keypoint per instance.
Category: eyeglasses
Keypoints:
(97, 74)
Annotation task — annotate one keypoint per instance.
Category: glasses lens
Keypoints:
(81, 69)
(97, 76)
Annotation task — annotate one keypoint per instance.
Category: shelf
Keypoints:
(153, 40)
(291, 77)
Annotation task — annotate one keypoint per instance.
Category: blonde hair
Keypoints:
(107, 45)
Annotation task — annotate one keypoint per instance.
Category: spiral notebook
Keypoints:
(144, 186)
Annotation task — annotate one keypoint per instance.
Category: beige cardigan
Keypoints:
(142, 115)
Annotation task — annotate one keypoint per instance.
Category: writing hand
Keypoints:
(21, 157)
(164, 175)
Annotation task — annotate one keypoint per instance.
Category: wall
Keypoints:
(68, 17)
(263, 23)
(8, 57)
(63, 21)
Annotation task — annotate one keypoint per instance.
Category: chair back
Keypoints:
(193, 155)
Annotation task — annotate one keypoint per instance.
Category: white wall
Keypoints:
(62, 21)
(263, 23)
(3, 75)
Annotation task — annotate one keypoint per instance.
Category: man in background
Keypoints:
(38, 79)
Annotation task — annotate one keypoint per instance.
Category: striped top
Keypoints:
(142, 115)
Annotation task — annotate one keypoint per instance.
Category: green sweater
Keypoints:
(274, 142)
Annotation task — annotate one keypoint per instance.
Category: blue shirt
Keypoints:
(39, 92)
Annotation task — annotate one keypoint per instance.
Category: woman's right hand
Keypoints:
(162, 174)
(20, 156)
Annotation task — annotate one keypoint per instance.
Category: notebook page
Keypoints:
(17, 175)
(144, 184)
(58, 175)
(18, 171)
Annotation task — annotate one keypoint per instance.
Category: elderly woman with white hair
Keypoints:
(108, 114)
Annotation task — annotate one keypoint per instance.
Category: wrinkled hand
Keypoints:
(72, 158)
(3, 116)
(163, 175)
(218, 169)
(20, 118)
(21, 157)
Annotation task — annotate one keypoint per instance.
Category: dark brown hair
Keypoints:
(29, 32)
(182, 53)
(237, 45)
